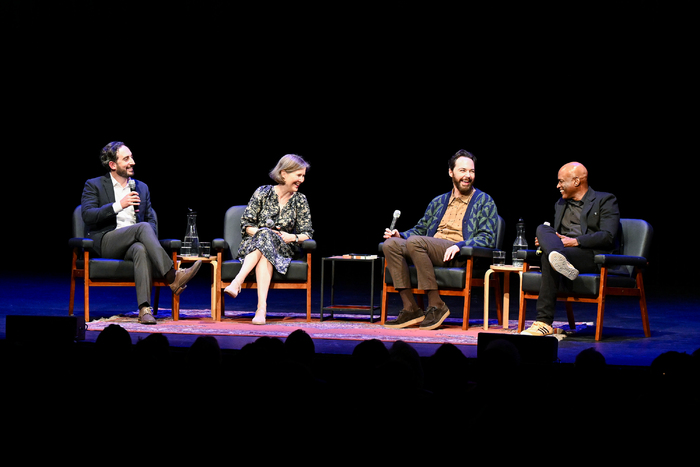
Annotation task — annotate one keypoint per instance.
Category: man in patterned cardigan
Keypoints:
(465, 216)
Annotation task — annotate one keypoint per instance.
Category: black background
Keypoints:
(209, 96)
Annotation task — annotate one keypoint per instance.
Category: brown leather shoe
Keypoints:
(183, 276)
(434, 317)
(146, 315)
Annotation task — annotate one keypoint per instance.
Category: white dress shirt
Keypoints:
(125, 216)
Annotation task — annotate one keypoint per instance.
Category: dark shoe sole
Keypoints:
(562, 266)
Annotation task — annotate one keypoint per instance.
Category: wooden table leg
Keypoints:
(486, 299)
(506, 298)
(215, 305)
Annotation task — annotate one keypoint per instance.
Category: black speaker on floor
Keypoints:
(532, 349)
(44, 329)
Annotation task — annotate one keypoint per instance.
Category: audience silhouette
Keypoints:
(375, 378)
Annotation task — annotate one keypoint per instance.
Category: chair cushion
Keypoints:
(295, 273)
(584, 284)
(111, 270)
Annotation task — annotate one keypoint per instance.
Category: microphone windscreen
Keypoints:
(397, 213)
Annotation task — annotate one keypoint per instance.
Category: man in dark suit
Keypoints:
(122, 224)
(586, 223)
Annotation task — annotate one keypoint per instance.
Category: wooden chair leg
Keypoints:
(643, 305)
(86, 282)
(308, 302)
(308, 287)
(601, 303)
(176, 307)
(385, 300)
(71, 301)
(467, 308)
(86, 299)
(469, 270)
(521, 312)
(599, 322)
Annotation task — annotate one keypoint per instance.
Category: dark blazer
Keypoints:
(97, 211)
(600, 221)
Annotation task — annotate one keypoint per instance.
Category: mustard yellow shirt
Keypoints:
(450, 227)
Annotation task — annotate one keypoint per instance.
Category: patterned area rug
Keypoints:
(341, 327)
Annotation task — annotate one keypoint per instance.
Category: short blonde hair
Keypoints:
(289, 163)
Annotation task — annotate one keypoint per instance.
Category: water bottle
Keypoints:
(191, 235)
(520, 243)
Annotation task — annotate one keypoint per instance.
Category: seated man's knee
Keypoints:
(415, 243)
(138, 248)
(392, 244)
(543, 229)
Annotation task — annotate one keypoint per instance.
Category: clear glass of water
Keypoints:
(499, 258)
(205, 249)
(186, 248)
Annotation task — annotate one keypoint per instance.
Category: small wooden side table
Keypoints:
(215, 311)
(506, 270)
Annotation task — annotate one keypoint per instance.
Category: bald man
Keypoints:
(585, 224)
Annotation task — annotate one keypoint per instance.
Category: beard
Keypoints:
(463, 190)
(125, 172)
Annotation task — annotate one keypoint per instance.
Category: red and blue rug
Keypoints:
(280, 325)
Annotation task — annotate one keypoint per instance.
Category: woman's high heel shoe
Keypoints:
(233, 289)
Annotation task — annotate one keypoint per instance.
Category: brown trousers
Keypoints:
(424, 253)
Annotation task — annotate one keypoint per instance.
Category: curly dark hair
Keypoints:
(109, 153)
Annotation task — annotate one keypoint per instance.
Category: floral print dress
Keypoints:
(294, 217)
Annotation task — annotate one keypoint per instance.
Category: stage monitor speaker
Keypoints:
(532, 349)
(44, 329)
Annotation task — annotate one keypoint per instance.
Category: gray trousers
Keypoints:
(139, 243)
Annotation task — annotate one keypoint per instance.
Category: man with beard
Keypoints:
(464, 216)
(122, 225)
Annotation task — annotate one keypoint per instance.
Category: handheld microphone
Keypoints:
(270, 224)
(397, 213)
(132, 186)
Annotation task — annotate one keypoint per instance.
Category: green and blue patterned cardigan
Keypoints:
(478, 226)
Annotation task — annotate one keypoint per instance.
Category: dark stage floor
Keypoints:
(675, 323)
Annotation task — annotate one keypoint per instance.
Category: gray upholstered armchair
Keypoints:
(101, 272)
(619, 275)
(298, 275)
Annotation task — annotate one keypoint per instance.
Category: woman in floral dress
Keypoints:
(276, 219)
